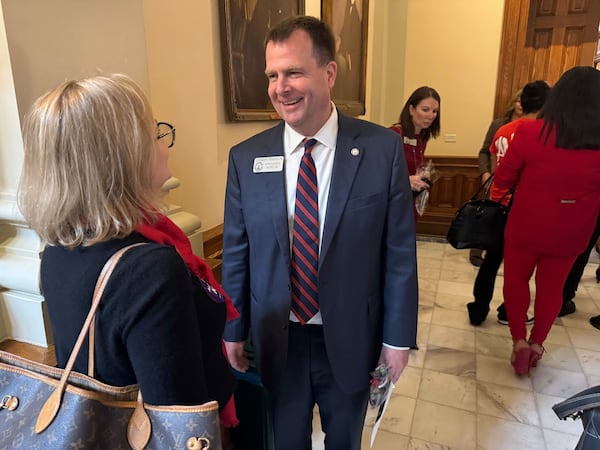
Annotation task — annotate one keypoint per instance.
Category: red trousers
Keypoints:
(550, 275)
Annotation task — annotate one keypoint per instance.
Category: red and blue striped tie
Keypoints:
(305, 243)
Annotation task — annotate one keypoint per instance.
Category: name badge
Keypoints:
(268, 164)
(409, 141)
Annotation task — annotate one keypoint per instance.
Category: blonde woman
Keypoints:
(95, 161)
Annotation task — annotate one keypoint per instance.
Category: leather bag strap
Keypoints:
(510, 191)
(484, 187)
(573, 406)
(52, 405)
(92, 342)
(487, 186)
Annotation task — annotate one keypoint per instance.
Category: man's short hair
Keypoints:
(320, 33)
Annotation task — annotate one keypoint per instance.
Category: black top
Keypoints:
(155, 325)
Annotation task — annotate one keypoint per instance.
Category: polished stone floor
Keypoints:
(459, 390)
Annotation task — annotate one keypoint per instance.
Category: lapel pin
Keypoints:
(354, 151)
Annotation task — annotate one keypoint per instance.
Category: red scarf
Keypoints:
(164, 231)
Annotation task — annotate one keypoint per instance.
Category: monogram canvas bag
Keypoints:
(45, 407)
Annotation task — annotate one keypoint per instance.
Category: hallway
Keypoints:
(459, 391)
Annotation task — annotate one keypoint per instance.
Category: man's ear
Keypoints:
(331, 70)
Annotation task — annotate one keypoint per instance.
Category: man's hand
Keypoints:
(237, 356)
(395, 360)
(485, 176)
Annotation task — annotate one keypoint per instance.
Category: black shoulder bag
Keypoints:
(480, 222)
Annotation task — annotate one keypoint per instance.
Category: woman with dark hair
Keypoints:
(419, 121)
(555, 162)
(533, 97)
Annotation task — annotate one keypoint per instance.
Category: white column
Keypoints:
(21, 305)
(22, 308)
(189, 223)
(22, 315)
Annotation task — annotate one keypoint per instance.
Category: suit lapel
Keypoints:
(275, 186)
(348, 155)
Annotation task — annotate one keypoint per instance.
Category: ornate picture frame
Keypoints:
(244, 25)
(349, 22)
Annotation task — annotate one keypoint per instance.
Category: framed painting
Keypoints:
(349, 22)
(244, 26)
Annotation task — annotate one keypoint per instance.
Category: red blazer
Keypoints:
(557, 200)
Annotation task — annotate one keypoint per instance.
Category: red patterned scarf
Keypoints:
(164, 231)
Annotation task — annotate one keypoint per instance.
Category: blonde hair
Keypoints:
(512, 104)
(89, 157)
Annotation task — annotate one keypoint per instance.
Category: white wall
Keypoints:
(43, 43)
(11, 144)
(453, 46)
(52, 41)
(185, 73)
(386, 68)
(186, 84)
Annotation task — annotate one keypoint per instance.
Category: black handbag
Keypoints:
(46, 407)
(480, 222)
(584, 405)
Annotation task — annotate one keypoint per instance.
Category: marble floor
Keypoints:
(459, 390)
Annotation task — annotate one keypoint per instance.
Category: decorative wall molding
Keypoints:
(189, 223)
(19, 249)
(23, 314)
(9, 212)
(24, 318)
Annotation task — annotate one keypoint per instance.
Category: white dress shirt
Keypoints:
(322, 154)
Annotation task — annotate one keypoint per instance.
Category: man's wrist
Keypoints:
(395, 347)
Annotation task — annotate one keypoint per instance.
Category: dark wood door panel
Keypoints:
(541, 39)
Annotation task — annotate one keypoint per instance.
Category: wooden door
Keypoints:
(541, 39)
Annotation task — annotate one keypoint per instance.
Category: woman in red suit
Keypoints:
(555, 162)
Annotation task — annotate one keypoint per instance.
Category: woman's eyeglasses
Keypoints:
(167, 131)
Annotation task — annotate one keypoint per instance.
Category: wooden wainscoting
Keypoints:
(458, 179)
(44, 355)
(212, 240)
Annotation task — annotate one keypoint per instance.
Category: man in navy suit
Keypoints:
(367, 282)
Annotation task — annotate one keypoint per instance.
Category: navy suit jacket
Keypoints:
(367, 266)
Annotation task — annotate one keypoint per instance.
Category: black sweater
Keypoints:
(155, 326)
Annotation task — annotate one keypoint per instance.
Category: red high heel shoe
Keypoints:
(535, 356)
(520, 360)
